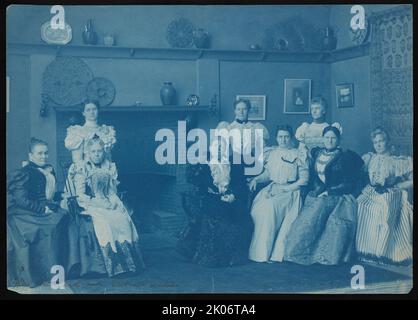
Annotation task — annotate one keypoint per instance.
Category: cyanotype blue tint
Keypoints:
(209, 149)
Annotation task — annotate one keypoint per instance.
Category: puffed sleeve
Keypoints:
(300, 132)
(403, 166)
(222, 125)
(266, 135)
(74, 138)
(366, 159)
(17, 188)
(267, 157)
(303, 168)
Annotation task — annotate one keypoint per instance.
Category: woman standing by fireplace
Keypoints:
(78, 135)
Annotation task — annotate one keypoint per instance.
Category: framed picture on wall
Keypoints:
(297, 96)
(345, 95)
(258, 106)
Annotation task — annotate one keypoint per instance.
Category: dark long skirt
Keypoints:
(36, 243)
(84, 255)
(225, 233)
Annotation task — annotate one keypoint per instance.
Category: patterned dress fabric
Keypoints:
(384, 231)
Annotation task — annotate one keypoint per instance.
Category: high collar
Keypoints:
(34, 165)
(334, 151)
(91, 124)
(241, 122)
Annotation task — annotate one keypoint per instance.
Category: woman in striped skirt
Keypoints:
(384, 231)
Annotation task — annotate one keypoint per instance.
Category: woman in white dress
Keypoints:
(78, 135)
(384, 231)
(277, 205)
(96, 189)
(309, 135)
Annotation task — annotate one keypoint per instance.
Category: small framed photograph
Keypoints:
(297, 96)
(345, 95)
(258, 106)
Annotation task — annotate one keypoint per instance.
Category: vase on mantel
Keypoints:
(329, 40)
(89, 35)
(168, 94)
(201, 38)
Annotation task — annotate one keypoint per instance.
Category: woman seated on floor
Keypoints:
(36, 225)
(278, 204)
(384, 232)
(96, 189)
(324, 232)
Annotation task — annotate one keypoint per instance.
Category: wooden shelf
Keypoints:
(116, 52)
(140, 109)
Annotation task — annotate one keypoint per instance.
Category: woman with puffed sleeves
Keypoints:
(309, 135)
(36, 225)
(324, 231)
(77, 135)
(384, 231)
(278, 204)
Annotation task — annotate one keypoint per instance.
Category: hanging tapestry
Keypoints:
(391, 75)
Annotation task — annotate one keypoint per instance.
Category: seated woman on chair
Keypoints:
(95, 184)
(384, 230)
(36, 225)
(324, 231)
(277, 205)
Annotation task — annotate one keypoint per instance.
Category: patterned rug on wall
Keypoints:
(391, 75)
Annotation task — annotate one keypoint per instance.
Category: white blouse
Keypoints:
(382, 166)
(286, 166)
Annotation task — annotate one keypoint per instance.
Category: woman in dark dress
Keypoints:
(220, 226)
(324, 232)
(36, 226)
(226, 226)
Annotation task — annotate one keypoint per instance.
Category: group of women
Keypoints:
(313, 203)
(89, 230)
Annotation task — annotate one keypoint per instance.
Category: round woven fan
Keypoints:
(65, 79)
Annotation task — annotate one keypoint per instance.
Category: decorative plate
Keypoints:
(65, 80)
(192, 100)
(102, 90)
(180, 33)
(56, 36)
(283, 36)
(360, 35)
